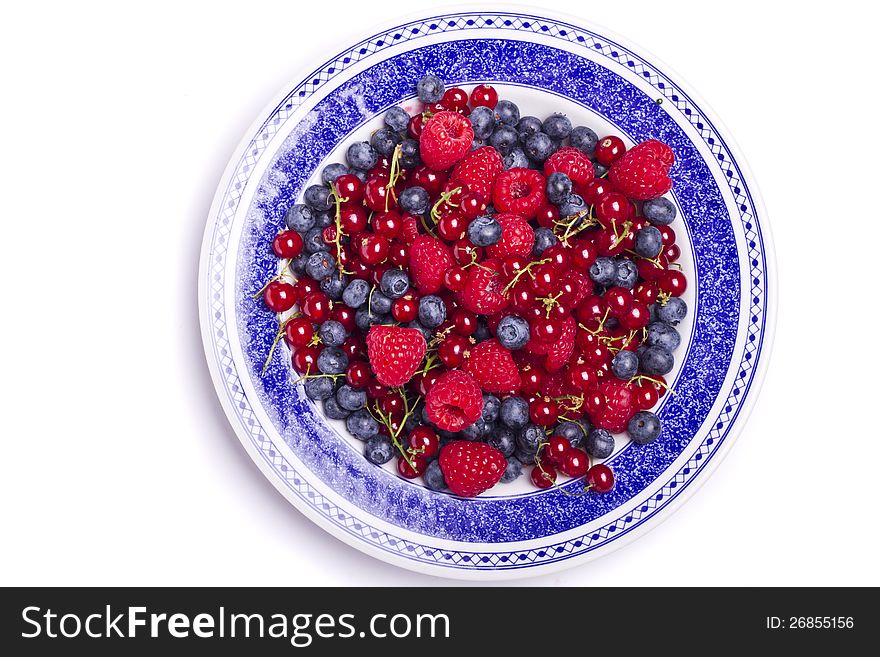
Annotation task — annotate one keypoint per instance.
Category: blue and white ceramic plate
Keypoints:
(544, 64)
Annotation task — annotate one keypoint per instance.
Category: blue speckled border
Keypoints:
(401, 504)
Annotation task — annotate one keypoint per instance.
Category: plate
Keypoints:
(544, 64)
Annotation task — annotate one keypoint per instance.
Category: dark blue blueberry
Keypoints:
(378, 450)
(652, 313)
(626, 274)
(409, 154)
(425, 331)
(599, 169)
(538, 146)
(313, 241)
(487, 428)
(432, 311)
(656, 360)
(643, 427)
(528, 125)
(379, 303)
(332, 171)
(504, 139)
(482, 332)
(558, 126)
(298, 264)
(584, 139)
(356, 293)
(332, 360)
(334, 285)
(318, 388)
(516, 159)
(599, 444)
(414, 200)
(604, 271)
(318, 197)
(559, 187)
(397, 119)
(411, 423)
(361, 155)
(333, 410)
(530, 437)
(573, 432)
(544, 239)
(572, 205)
(503, 440)
(384, 140)
(512, 332)
(625, 364)
(430, 89)
(351, 399)
(433, 477)
(332, 333)
(471, 432)
(659, 211)
(483, 122)
(323, 219)
(394, 283)
(320, 265)
(484, 231)
(360, 174)
(507, 112)
(524, 457)
(299, 218)
(362, 425)
(491, 407)
(612, 323)
(673, 311)
(364, 319)
(514, 412)
(648, 242)
(661, 334)
(512, 471)
(477, 143)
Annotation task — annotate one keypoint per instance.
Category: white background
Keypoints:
(118, 466)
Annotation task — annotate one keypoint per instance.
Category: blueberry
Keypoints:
(298, 265)
(538, 146)
(379, 303)
(491, 407)
(514, 412)
(334, 285)
(626, 273)
(503, 440)
(362, 425)
(332, 171)
(477, 143)
(433, 477)
(361, 155)
(659, 211)
(599, 169)
(482, 331)
(524, 457)
(320, 265)
(530, 437)
(409, 154)
(378, 450)
(507, 112)
(299, 218)
(416, 324)
(572, 205)
(384, 140)
(648, 242)
(318, 197)
(625, 364)
(333, 410)
(504, 139)
(512, 332)
(573, 432)
(583, 139)
(318, 388)
(652, 313)
(484, 231)
(512, 471)
(323, 219)
(432, 311)
(397, 119)
(351, 399)
(661, 334)
(656, 360)
(673, 311)
(332, 333)
(643, 427)
(557, 126)
(364, 318)
(394, 283)
(600, 443)
(604, 271)
(482, 121)
(356, 293)
(332, 360)
(516, 159)
(414, 200)
(544, 239)
(360, 174)
(313, 241)
(559, 187)
(430, 89)
(471, 432)
(528, 125)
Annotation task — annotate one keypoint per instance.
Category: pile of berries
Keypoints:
(475, 292)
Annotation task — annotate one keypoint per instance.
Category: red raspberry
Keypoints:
(493, 367)
(573, 163)
(643, 172)
(479, 169)
(658, 150)
(520, 191)
(483, 291)
(395, 353)
(620, 405)
(445, 139)
(557, 385)
(429, 258)
(580, 286)
(455, 401)
(471, 468)
(517, 237)
(559, 352)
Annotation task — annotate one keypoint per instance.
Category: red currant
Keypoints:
(349, 188)
(316, 306)
(532, 380)
(600, 478)
(376, 195)
(451, 351)
(544, 412)
(545, 280)
(454, 99)
(279, 296)
(472, 205)
(352, 218)
(287, 244)
(595, 189)
(673, 283)
(543, 476)
(305, 359)
(667, 235)
(298, 332)
(544, 329)
(354, 347)
(376, 390)
(484, 95)
(344, 315)
(419, 463)
(357, 374)
(645, 292)
(431, 181)
(645, 395)
(398, 254)
(452, 226)
(582, 375)
(424, 441)
(619, 300)
(548, 215)
(560, 258)
(464, 322)
(555, 450)
(636, 317)
(583, 254)
(388, 224)
(416, 125)
(455, 279)
(374, 248)
(405, 309)
(608, 150)
(464, 252)
(672, 252)
(575, 463)
(614, 207)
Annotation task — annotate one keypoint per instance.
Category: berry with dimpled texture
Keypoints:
(479, 170)
(445, 139)
(429, 259)
(492, 366)
(520, 191)
(455, 401)
(395, 353)
(471, 468)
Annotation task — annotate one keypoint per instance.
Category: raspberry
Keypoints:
(493, 368)
(395, 353)
(643, 172)
(517, 237)
(573, 163)
(520, 191)
(483, 291)
(429, 258)
(455, 401)
(620, 405)
(471, 468)
(445, 139)
(560, 351)
(479, 169)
